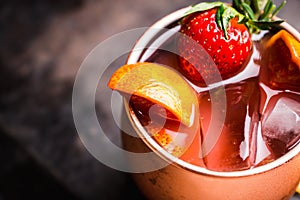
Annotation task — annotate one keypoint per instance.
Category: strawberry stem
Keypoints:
(267, 10)
(259, 13)
(279, 8)
(248, 11)
(255, 6)
(256, 14)
(219, 20)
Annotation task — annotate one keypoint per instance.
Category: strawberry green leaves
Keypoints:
(256, 14)
(224, 15)
(259, 13)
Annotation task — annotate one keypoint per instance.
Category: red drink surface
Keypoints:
(261, 118)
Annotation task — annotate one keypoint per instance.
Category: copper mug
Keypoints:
(181, 180)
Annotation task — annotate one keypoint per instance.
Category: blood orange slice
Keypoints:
(282, 59)
(160, 85)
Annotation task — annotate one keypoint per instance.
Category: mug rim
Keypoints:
(168, 157)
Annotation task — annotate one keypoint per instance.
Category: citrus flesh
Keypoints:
(159, 85)
(282, 57)
(291, 42)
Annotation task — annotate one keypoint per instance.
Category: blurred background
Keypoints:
(42, 45)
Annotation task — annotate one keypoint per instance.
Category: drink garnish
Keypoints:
(281, 61)
(224, 31)
(160, 85)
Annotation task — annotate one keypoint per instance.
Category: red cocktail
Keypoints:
(255, 154)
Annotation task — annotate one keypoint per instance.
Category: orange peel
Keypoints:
(291, 42)
(281, 61)
(160, 85)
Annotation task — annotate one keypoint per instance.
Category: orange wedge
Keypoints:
(160, 85)
(292, 44)
(282, 59)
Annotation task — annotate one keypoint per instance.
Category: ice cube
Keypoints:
(281, 123)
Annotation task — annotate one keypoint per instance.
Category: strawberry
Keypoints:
(218, 36)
